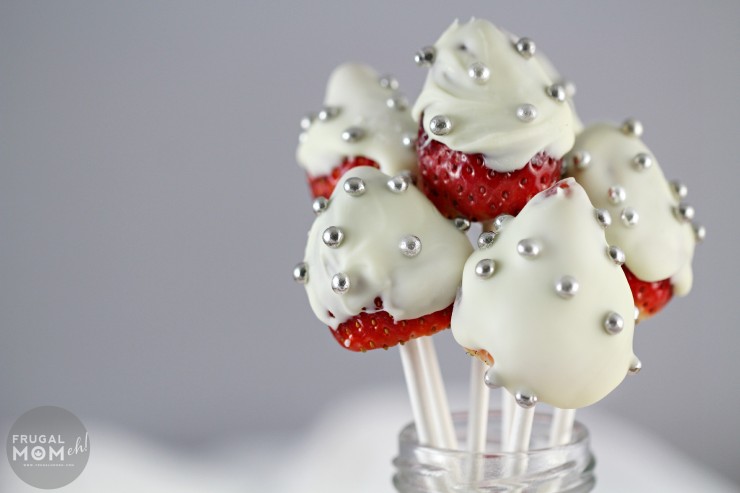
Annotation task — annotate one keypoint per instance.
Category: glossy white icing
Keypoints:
(659, 246)
(484, 115)
(554, 75)
(374, 224)
(542, 342)
(354, 89)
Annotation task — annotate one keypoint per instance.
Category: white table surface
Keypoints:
(348, 450)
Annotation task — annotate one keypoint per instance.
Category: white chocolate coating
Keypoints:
(659, 246)
(484, 115)
(542, 343)
(373, 225)
(362, 102)
(553, 74)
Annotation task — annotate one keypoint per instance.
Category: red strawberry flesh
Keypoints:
(460, 184)
(650, 297)
(378, 329)
(323, 185)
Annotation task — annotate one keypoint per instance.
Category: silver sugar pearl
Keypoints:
(603, 217)
(399, 183)
(327, 113)
(616, 255)
(528, 248)
(570, 88)
(491, 379)
(500, 222)
(332, 237)
(680, 191)
(566, 287)
(397, 102)
(635, 367)
(410, 245)
(353, 134)
(319, 205)
(354, 186)
(629, 217)
(526, 112)
(526, 400)
(461, 223)
(700, 232)
(581, 159)
(616, 194)
(387, 81)
(479, 72)
(525, 47)
(642, 161)
(307, 120)
(637, 312)
(613, 323)
(408, 141)
(486, 239)
(300, 273)
(440, 125)
(556, 92)
(684, 212)
(425, 56)
(632, 127)
(485, 268)
(340, 283)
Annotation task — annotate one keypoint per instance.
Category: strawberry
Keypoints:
(461, 184)
(378, 329)
(650, 297)
(482, 355)
(323, 186)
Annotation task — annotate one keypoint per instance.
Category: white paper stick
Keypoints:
(561, 432)
(477, 417)
(440, 406)
(521, 430)
(478, 410)
(508, 406)
(521, 433)
(561, 429)
(418, 395)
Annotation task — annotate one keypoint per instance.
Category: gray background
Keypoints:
(151, 208)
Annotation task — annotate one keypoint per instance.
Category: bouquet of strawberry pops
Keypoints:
(581, 235)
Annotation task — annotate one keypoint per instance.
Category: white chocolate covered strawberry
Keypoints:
(547, 299)
(651, 222)
(365, 121)
(382, 265)
(494, 122)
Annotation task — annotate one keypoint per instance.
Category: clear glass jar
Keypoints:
(544, 469)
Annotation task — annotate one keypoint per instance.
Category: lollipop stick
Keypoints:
(479, 403)
(561, 428)
(561, 431)
(418, 394)
(508, 406)
(521, 432)
(440, 407)
(477, 417)
(521, 429)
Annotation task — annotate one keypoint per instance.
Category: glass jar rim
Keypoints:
(579, 438)
(425, 469)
